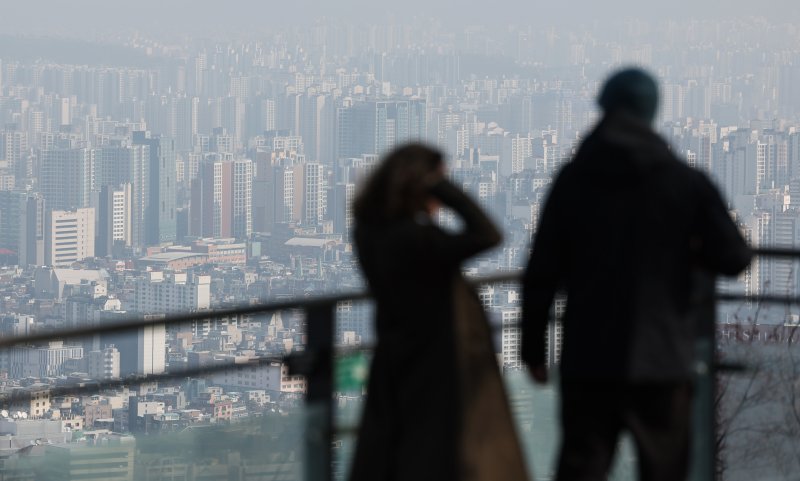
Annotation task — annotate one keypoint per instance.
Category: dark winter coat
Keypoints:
(436, 408)
(624, 231)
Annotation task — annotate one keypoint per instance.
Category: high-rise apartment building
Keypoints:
(772, 159)
(242, 198)
(221, 141)
(288, 200)
(15, 149)
(262, 209)
(160, 221)
(221, 203)
(210, 209)
(314, 202)
(316, 125)
(232, 118)
(127, 164)
(673, 102)
(67, 178)
(343, 196)
(516, 151)
(511, 338)
(31, 251)
(779, 228)
(22, 219)
(267, 120)
(141, 353)
(278, 187)
(376, 126)
(69, 236)
(114, 226)
(151, 350)
(793, 154)
(184, 120)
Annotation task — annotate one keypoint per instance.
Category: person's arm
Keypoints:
(479, 232)
(721, 247)
(541, 280)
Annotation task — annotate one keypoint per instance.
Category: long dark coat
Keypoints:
(625, 231)
(436, 407)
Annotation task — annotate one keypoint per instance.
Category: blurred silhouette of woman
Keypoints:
(436, 407)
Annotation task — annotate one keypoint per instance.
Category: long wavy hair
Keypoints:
(397, 189)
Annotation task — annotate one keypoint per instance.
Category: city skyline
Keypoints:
(84, 18)
(152, 164)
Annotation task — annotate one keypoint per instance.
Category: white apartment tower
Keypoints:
(115, 222)
(242, 198)
(313, 193)
(151, 355)
(121, 215)
(516, 151)
(69, 236)
(288, 191)
(511, 350)
(14, 150)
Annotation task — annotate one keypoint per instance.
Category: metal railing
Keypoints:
(316, 362)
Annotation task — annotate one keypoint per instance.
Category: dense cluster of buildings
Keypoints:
(221, 174)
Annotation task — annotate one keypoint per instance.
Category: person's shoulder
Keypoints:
(652, 144)
(673, 170)
(565, 178)
(670, 161)
(702, 182)
(569, 169)
(663, 155)
(692, 181)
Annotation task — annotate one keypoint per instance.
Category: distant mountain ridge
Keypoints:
(72, 51)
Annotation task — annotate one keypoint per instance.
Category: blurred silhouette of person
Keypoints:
(436, 407)
(625, 232)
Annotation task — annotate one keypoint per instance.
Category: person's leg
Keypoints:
(590, 426)
(658, 418)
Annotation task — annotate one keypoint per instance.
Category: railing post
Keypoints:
(704, 435)
(319, 399)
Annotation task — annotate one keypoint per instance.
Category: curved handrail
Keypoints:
(149, 320)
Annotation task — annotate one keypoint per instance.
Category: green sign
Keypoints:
(352, 371)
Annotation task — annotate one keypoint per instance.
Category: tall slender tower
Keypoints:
(160, 223)
(242, 203)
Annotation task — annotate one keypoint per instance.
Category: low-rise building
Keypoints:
(107, 456)
(41, 361)
(162, 293)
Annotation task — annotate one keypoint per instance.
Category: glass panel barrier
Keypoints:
(219, 404)
(759, 408)
(263, 442)
(354, 339)
(535, 410)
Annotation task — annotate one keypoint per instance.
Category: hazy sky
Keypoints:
(85, 17)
